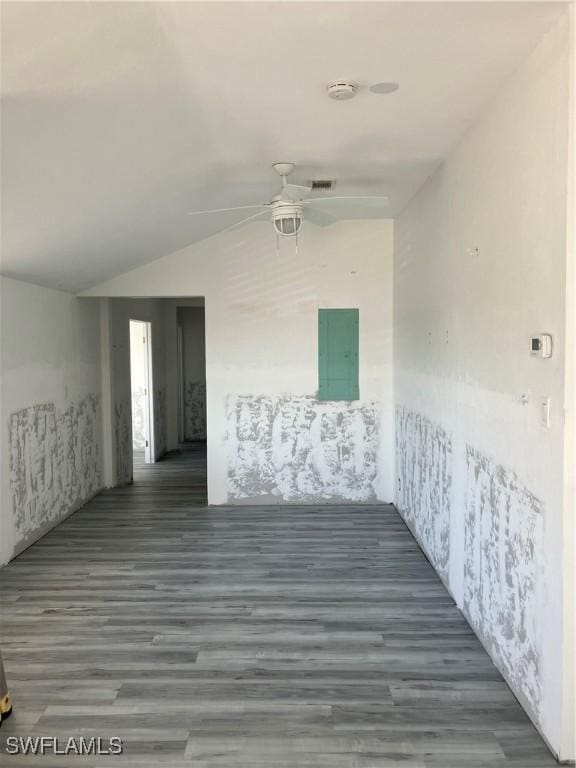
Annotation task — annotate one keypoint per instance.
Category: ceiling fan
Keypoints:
(292, 205)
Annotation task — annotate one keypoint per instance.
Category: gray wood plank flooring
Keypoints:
(231, 637)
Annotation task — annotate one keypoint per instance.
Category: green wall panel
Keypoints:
(338, 354)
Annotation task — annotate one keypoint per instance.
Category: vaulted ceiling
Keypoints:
(119, 118)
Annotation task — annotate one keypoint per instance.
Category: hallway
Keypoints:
(180, 473)
(252, 636)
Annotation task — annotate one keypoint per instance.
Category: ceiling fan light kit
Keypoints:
(287, 218)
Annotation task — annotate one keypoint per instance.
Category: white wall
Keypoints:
(261, 359)
(479, 266)
(50, 410)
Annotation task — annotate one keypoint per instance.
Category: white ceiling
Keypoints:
(118, 118)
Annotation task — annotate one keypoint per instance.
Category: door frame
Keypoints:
(150, 448)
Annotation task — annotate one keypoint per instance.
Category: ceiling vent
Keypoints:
(323, 185)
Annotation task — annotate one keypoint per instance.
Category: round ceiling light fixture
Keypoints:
(383, 88)
(342, 90)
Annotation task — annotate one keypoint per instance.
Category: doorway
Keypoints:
(141, 386)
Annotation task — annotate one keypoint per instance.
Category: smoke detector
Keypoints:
(342, 90)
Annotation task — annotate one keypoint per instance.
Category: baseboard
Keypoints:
(40, 532)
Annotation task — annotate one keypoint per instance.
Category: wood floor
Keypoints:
(262, 637)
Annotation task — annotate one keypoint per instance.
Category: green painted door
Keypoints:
(338, 354)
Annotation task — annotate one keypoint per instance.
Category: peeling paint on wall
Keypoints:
(195, 410)
(123, 441)
(138, 417)
(160, 421)
(297, 449)
(54, 463)
(424, 469)
(504, 529)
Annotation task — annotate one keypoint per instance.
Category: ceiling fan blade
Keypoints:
(366, 201)
(253, 217)
(318, 217)
(295, 192)
(223, 210)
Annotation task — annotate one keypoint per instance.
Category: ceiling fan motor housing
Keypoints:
(287, 218)
(283, 169)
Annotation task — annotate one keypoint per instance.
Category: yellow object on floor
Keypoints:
(5, 700)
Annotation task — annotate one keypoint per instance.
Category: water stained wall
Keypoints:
(138, 417)
(503, 536)
(504, 528)
(297, 449)
(123, 441)
(480, 266)
(54, 463)
(160, 425)
(424, 470)
(195, 410)
(139, 411)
